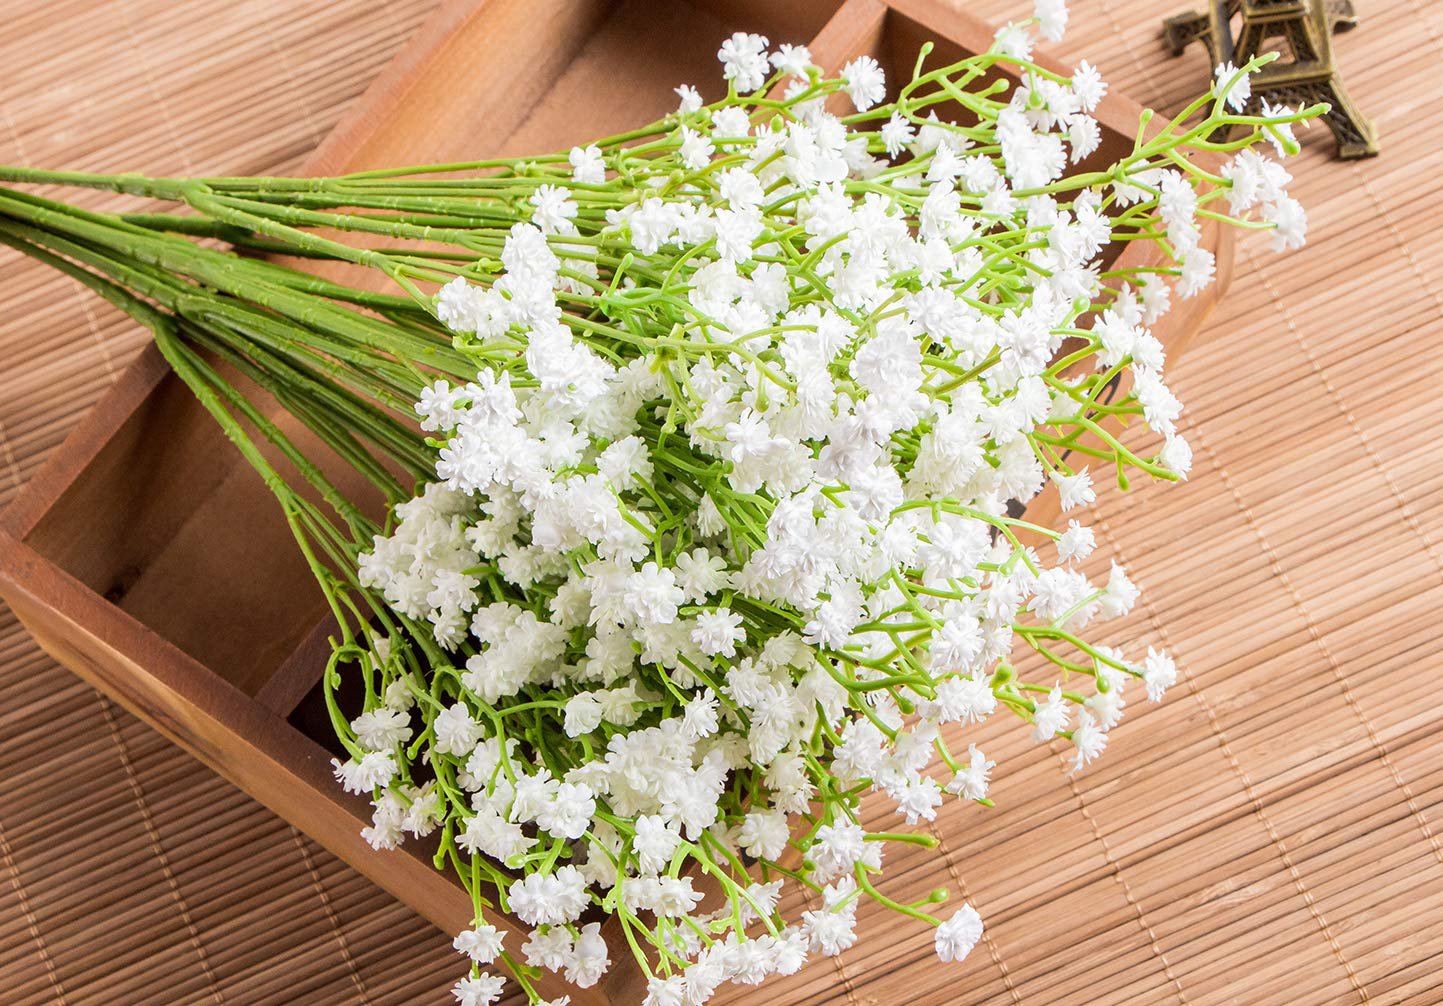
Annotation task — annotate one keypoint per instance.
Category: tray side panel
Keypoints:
(207, 717)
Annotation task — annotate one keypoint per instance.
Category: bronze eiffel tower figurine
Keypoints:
(1304, 75)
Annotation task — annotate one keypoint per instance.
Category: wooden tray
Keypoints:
(149, 558)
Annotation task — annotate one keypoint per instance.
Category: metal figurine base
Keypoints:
(1303, 76)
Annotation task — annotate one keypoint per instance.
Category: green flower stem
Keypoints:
(865, 885)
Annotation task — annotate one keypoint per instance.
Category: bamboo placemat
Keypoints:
(1270, 834)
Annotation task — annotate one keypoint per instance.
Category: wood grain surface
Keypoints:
(1268, 835)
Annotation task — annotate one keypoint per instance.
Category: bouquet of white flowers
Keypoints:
(711, 526)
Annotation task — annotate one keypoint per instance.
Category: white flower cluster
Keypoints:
(720, 536)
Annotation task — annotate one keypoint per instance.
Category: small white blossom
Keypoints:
(956, 937)
(1159, 673)
(718, 631)
(744, 61)
(1077, 542)
(696, 149)
(1088, 85)
(1088, 738)
(481, 944)
(1074, 490)
(793, 60)
(1233, 87)
(1051, 18)
(587, 165)
(690, 99)
(897, 134)
(481, 990)
(865, 83)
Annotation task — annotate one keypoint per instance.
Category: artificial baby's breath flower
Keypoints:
(793, 60)
(1089, 738)
(1077, 542)
(691, 100)
(956, 937)
(1278, 131)
(481, 990)
(1084, 134)
(1177, 455)
(381, 729)
(744, 61)
(866, 84)
(375, 769)
(831, 930)
(1051, 717)
(1075, 490)
(1234, 87)
(1051, 18)
(1290, 223)
(669, 991)
(554, 210)
(1015, 41)
(541, 899)
(587, 165)
(1088, 85)
(897, 134)
(696, 149)
(481, 944)
(1159, 673)
(971, 782)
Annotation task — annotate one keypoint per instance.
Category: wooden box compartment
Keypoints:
(150, 559)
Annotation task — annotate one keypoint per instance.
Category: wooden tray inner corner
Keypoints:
(543, 75)
(170, 525)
